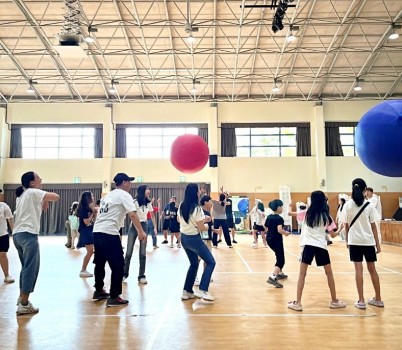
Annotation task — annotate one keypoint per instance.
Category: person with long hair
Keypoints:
(165, 217)
(5, 216)
(314, 230)
(143, 206)
(86, 213)
(113, 209)
(31, 201)
(74, 223)
(258, 227)
(274, 225)
(341, 225)
(362, 240)
(220, 219)
(192, 222)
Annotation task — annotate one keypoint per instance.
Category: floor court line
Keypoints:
(244, 261)
(281, 315)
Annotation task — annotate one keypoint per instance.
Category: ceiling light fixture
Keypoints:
(291, 37)
(90, 39)
(194, 89)
(358, 84)
(190, 39)
(275, 88)
(112, 89)
(394, 35)
(188, 27)
(30, 88)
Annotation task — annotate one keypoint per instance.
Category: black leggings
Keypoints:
(225, 228)
(277, 247)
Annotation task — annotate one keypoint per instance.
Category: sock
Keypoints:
(273, 276)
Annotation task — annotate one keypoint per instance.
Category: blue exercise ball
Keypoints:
(237, 221)
(242, 205)
(378, 139)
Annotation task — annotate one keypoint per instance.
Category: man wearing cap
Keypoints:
(113, 208)
(5, 215)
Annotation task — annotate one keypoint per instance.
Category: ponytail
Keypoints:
(25, 182)
(19, 191)
(358, 188)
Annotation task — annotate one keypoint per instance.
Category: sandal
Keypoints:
(295, 306)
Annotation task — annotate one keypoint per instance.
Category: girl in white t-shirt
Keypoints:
(5, 216)
(31, 200)
(362, 240)
(317, 222)
(192, 222)
(143, 206)
(74, 223)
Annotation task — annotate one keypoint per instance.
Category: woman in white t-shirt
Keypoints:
(192, 222)
(362, 240)
(143, 206)
(31, 200)
(314, 231)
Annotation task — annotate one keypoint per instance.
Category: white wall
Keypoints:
(302, 174)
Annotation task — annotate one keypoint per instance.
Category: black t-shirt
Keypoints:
(271, 223)
(83, 228)
(166, 211)
(229, 208)
(173, 214)
(210, 224)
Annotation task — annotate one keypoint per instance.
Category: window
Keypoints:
(153, 142)
(58, 143)
(266, 142)
(347, 136)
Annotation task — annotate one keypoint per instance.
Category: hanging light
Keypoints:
(357, 86)
(291, 37)
(190, 39)
(30, 88)
(194, 89)
(275, 88)
(90, 39)
(112, 89)
(394, 35)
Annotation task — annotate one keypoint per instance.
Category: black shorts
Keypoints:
(310, 252)
(230, 223)
(166, 224)
(258, 228)
(174, 226)
(4, 243)
(356, 253)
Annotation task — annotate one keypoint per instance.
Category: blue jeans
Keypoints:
(27, 245)
(194, 248)
(132, 236)
(150, 231)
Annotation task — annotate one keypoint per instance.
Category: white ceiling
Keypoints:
(236, 55)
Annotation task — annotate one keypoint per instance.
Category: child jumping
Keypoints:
(314, 244)
(274, 224)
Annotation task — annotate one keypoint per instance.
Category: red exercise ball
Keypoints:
(189, 153)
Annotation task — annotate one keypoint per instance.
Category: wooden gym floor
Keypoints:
(247, 314)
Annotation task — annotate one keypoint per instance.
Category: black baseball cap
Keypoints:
(205, 199)
(120, 177)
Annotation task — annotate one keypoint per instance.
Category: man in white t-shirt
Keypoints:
(113, 208)
(5, 215)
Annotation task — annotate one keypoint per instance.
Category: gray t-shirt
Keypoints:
(218, 211)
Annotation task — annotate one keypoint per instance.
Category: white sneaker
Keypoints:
(86, 274)
(26, 309)
(205, 295)
(171, 246)
(197, 282)
(186, 295)
(9, 279)
(255, 245)
(143, 280)
(156, 247)
(178, 245)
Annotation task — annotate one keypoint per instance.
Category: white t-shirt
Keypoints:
(28, 211)
(191, 228)
(142, 210)
(5, 214)
(315, 236)
(360, 233)
(259, 217)
(113, 208)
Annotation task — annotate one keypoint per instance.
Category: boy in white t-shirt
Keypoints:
(113, 208)
(5, 215)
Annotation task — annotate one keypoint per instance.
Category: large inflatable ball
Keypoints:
(378, 139)
(189, 153)
(242, 206)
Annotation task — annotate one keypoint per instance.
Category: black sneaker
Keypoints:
(281, 276)
(100, 295)
(116, 302)
(234, 241)
(329, 242)
(165, 242)
(274, 282)
(220, 241)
